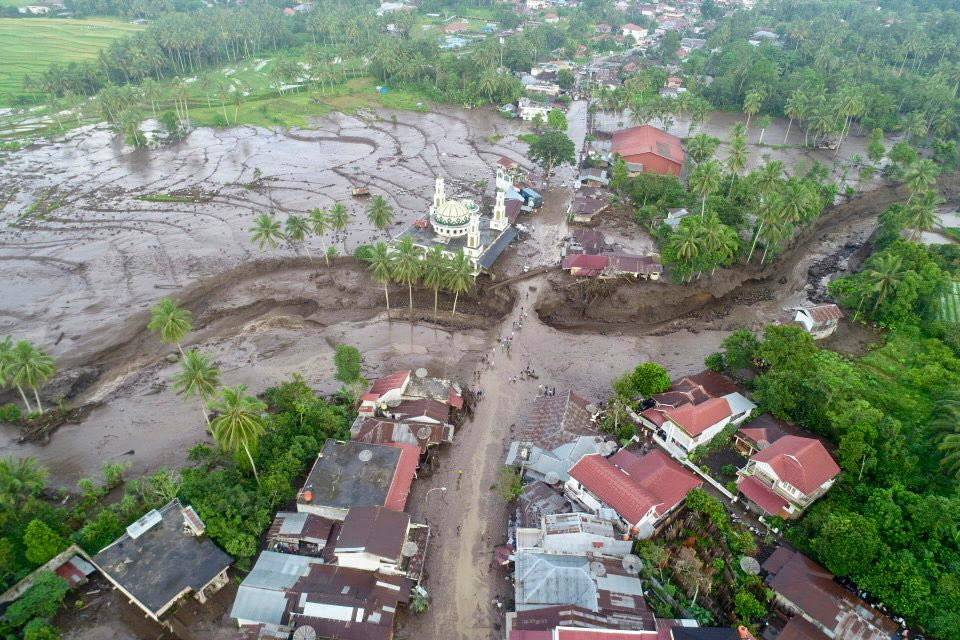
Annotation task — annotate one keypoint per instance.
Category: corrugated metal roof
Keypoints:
(278, 570)
(261, 605)
(545, 579)
(293, 522)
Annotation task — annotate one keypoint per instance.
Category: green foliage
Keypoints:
(100, 531)
(644, 381)
(739, 349)
(41, 542)
(552, 149)
(747, 606)
(509, 484)
(42, 600)
(10, 413)
(557, 120)
(39, 629)
(346, 359)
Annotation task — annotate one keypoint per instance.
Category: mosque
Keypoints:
(457, 225)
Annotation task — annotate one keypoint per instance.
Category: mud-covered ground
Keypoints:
(82, 260)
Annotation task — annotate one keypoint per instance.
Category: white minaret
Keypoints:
(474, 248)
(439, 195)
(499, 221)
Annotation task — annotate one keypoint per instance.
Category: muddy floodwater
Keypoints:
(95, 232)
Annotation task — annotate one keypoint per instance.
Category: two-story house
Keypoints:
(786, 477)
(638, 491)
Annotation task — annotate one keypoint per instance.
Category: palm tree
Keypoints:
(772, 210)
(737, 158)
(920, 176)
(922, 213)
(339, 219)
(796, 107)
(380, 214)
(406, 265)
(380, 267)
(319, 223)
(198, 377)
(266, 232)
(239, 425)
(719, 239)
(29, 367)
(704, 180)
(6, 353)
(171, 322)
(949, 446)
(297, 231)
(764, 124)
(435, 272)
(751, 104)
(460, 277)
(885, 276)
(701, 147)
(20, 478)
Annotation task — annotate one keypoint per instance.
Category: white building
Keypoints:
(529, 110)
(575, 534)
(820, 321)
(634, 31)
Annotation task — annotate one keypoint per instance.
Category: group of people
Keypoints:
(547, 391)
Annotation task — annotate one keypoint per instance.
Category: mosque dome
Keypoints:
(452, 213)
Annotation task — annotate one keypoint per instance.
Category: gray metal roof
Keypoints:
(262, 595)
(493, 252)
(541, 461)
(293, 522)
(545, 579)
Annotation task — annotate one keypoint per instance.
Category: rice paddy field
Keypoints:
(29, 45)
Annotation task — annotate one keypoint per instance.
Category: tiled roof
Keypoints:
(697, 418)
(554, 420)
(632, 485)
(391, 382)
(813, 589)
(824, 313)
(647, 139)
(715, 384)
(583, 261)
(803, 462)
(765, 429)
(763, 496)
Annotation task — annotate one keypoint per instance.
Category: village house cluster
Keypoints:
(342, 564)
(586, 500)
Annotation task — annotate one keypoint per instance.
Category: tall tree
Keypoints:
(266, 232)
(701, 147)
(20, 478)
(319, 223)
(380, 214)
(379, 264)
(460, 277)
(29, 367)
(704, 180)
(198, 376)
(751, 104)
(339, 220)
(435, 267)
(239, 425)
(406, 265)
(552, 149)
(920, 176)
(172, 322)
(297, 231)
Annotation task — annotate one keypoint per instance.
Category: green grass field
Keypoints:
(29, 45)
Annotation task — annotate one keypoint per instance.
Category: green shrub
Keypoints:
(42, 600)
(40, 629)
(10, 413)
(41, 542)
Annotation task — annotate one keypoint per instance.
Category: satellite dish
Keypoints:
(632, 563)
(551, 477)
(394, 403)
(597, 569)
(366, 455)
(750, 566)
(305, 632)
(610, 447)
(424, 432)
(409, 549)
(421, 372)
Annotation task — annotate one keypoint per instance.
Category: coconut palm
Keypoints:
(737, 158)
(796, 108)
(319, 223)
(406, 265)
(764, 124)
(378, 259)
(751, 104)
(171, 322)
(920, 176)
(6, 351)
(460, 277)
(339, 220)
(20, 478)
(719, 239)
(29, 367)
(198, 377)
(922, 213)
(949, 446)
(885, 276)
(704, 180)
(297, 231)
(380, 214)
(435, 266)
(701, 147)
(266, 232)
(239, 425)
(771, 211)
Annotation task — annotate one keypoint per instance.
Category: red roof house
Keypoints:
(403, 476)
(786, 477)
(387, 389)
(642, 490)
(651, 148)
